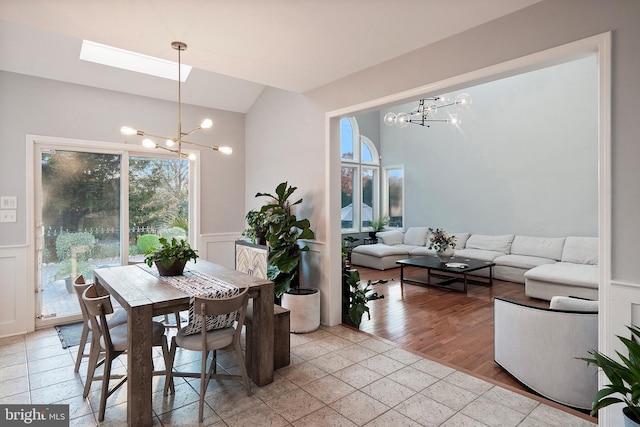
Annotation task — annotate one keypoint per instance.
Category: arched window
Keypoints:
(360, 180)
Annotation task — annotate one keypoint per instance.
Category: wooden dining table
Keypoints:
(144, 296)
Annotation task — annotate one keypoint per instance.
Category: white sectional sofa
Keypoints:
(576, 272)
(548, 266)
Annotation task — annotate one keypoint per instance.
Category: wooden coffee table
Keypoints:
(434, 263)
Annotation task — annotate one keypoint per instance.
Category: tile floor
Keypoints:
(337, 377)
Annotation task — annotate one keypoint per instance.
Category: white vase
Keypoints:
(445, 255)
(305, 310)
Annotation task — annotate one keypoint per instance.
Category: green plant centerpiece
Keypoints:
(357, 295)
(283, 233)
(171, 256)
(624, 377)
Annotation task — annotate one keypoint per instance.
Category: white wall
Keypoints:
(524, 159)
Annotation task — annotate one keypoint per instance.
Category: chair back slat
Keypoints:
(97, 308)
(79, 285)
(219, 306)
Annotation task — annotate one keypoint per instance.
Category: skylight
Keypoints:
(132, 61)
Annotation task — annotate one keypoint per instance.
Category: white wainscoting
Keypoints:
(219, 248)
(16, 288)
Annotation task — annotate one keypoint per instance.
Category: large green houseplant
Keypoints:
(171, 256)
(283, 234)
(624, 378)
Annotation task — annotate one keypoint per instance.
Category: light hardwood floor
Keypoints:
(446, 326)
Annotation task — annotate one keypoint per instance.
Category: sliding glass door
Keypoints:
(83, 198)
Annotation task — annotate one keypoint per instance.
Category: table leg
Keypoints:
(262, 337)
(139, 367)
(465, 282)
(490, 276)
(402, 279)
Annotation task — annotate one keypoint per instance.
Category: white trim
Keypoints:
(599, 44)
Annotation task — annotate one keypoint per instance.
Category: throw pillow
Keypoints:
(391, 237)
(580, 250)
(416, 236)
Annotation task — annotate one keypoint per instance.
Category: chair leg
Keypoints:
(169, 357)
(81, 347)
(106, 376)
(243, 368)
(94, 355)
(204, 382)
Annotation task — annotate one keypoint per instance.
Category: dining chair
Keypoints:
(118, 318)
(112, 342)
(207, 341)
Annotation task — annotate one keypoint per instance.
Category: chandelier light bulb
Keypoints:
(463, 99)
(126, 130)
(225, 150)
(390, 118)
(147, 143)
(403, 120)
(192, 156)
(454, 120)
(206, 124)
(170, 142)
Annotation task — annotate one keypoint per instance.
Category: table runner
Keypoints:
(194, 283)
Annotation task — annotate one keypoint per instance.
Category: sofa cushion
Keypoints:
(500, 243)
(478, 254)
(580, 250)
(573, 304)
(566, 273)
(390, 237)
(461, 239)
(381, 250)
(416, 236)
(543, 247)
(422, 251)
(522, 261)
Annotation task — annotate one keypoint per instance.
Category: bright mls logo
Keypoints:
(34, 415)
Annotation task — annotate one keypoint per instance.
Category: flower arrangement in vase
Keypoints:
(443, 243)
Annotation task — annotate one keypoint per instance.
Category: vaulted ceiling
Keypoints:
(236, 47)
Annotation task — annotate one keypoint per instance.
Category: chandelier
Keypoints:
(174, 144)
(426, 111)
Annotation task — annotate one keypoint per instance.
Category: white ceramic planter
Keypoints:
(305, 310)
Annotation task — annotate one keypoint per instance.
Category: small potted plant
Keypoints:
(171, 256)
(347, 247)
(256, 226)
(443, 243)
(356, 295)
(624, 379)
(378, 224)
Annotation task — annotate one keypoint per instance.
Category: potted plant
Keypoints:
(624, 379)
(256, 226)
(347, 247)
(378, 224)
(285, 257)
(443, 243)
(356, 296)
(171, 256)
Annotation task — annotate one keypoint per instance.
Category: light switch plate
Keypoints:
(8, 215)
(8, 202)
